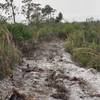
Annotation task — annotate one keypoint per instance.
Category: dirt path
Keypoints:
(51, 75)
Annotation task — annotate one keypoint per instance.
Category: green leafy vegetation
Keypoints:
(87, 57)
(20, 32)
(84, 44)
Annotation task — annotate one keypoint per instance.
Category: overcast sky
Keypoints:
(73, 10)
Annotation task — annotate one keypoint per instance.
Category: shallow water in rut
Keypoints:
(50, 74)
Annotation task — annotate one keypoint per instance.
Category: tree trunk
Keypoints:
(13, 13)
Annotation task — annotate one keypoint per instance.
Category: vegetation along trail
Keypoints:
(44, 56)
(50, 74)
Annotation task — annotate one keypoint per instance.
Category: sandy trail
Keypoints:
(50, 74)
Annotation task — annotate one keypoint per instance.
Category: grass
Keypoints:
(9, 54)
(80, 37)
(82, 41)
(84, 45)
(20, 32)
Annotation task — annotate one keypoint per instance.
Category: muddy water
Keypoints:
(50, 74)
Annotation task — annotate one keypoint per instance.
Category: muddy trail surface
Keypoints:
(50, 74)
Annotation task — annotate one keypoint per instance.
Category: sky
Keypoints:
(73, 10)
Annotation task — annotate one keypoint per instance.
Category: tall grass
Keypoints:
(84, 45)
(20, 32)
(82, 41)
(9, 54)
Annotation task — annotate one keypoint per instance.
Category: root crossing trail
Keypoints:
(50, 74)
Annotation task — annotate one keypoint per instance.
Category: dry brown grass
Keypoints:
(9, 54)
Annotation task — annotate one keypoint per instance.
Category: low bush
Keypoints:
(87, 57)
(20, 32)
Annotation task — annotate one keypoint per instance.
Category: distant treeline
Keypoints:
(33, 12)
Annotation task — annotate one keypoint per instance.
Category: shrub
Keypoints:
(87, 57)
(20, 32)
